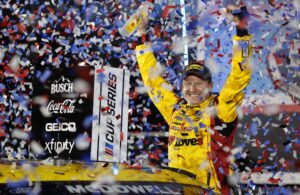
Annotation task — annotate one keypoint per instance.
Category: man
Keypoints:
(200, 138)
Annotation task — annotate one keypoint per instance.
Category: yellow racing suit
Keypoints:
(200, 136)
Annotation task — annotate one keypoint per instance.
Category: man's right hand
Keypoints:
(238, 14)
(142, 27)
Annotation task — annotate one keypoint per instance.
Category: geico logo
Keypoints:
(67, 106)
(61, 88)
(71, 127)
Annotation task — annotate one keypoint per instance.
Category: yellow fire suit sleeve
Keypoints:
(231, 94)
(158, 89)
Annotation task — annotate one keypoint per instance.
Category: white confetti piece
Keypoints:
(20, 134)
(14, 63)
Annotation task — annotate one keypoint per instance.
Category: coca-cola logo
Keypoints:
(65, 107)
(62, 85)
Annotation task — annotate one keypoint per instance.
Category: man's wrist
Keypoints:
(143, 38)
(241, 32)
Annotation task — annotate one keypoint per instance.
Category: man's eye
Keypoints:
(198, 83)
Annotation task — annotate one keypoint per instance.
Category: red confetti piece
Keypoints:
(118, 116)
(21, 27)
(277, 59)
(157, 30)
(200, 39)
(100, 98)
(100, 33)
(122, 136)
(100, 70)
(68, 24)
(264, 157)
(257, 143)
(257, 169)
(50, 10)
(88, 139)
(114, 32)
(133, 95)
(105, 109)
(274, 181)
(147, 113)
(4, 22)
(2, 134)
(133, 46)
(86, 44)
(216, 12)
(277, 84)
(154, 156)
(166, 11)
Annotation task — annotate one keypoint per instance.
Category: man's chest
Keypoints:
(189, 123)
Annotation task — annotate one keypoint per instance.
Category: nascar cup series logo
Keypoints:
(62, 85)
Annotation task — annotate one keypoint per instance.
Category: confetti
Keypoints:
(84, 33)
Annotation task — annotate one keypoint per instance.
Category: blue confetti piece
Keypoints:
(17, 184)
(101, 78)
(179, 13)
(221, 170)
(196, 130)
(57, 120)
(267, 142)
(140, 143)
(2, 86)
(266, 131)
(87, 122)
(201, 125)
(158, 47)
(252, 184)
(176, 107)
(288, 148)
(45, 76)
(115, 169)
(253, 129)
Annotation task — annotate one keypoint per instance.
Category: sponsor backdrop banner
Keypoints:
(90, 187)
(111, 100)
(65, 118)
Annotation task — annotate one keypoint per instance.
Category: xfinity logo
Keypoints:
(62, 85)
(65, 107)
(59, 146)
(65, 126)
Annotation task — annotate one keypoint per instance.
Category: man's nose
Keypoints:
(192, 87)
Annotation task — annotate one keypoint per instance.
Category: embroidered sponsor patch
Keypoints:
(194, 66)
(245, 48)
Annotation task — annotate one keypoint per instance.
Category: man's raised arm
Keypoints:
(231, 94)
(158, 89)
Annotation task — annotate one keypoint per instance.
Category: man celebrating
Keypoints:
(200, 138)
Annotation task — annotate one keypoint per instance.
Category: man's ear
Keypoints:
(211, 84)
